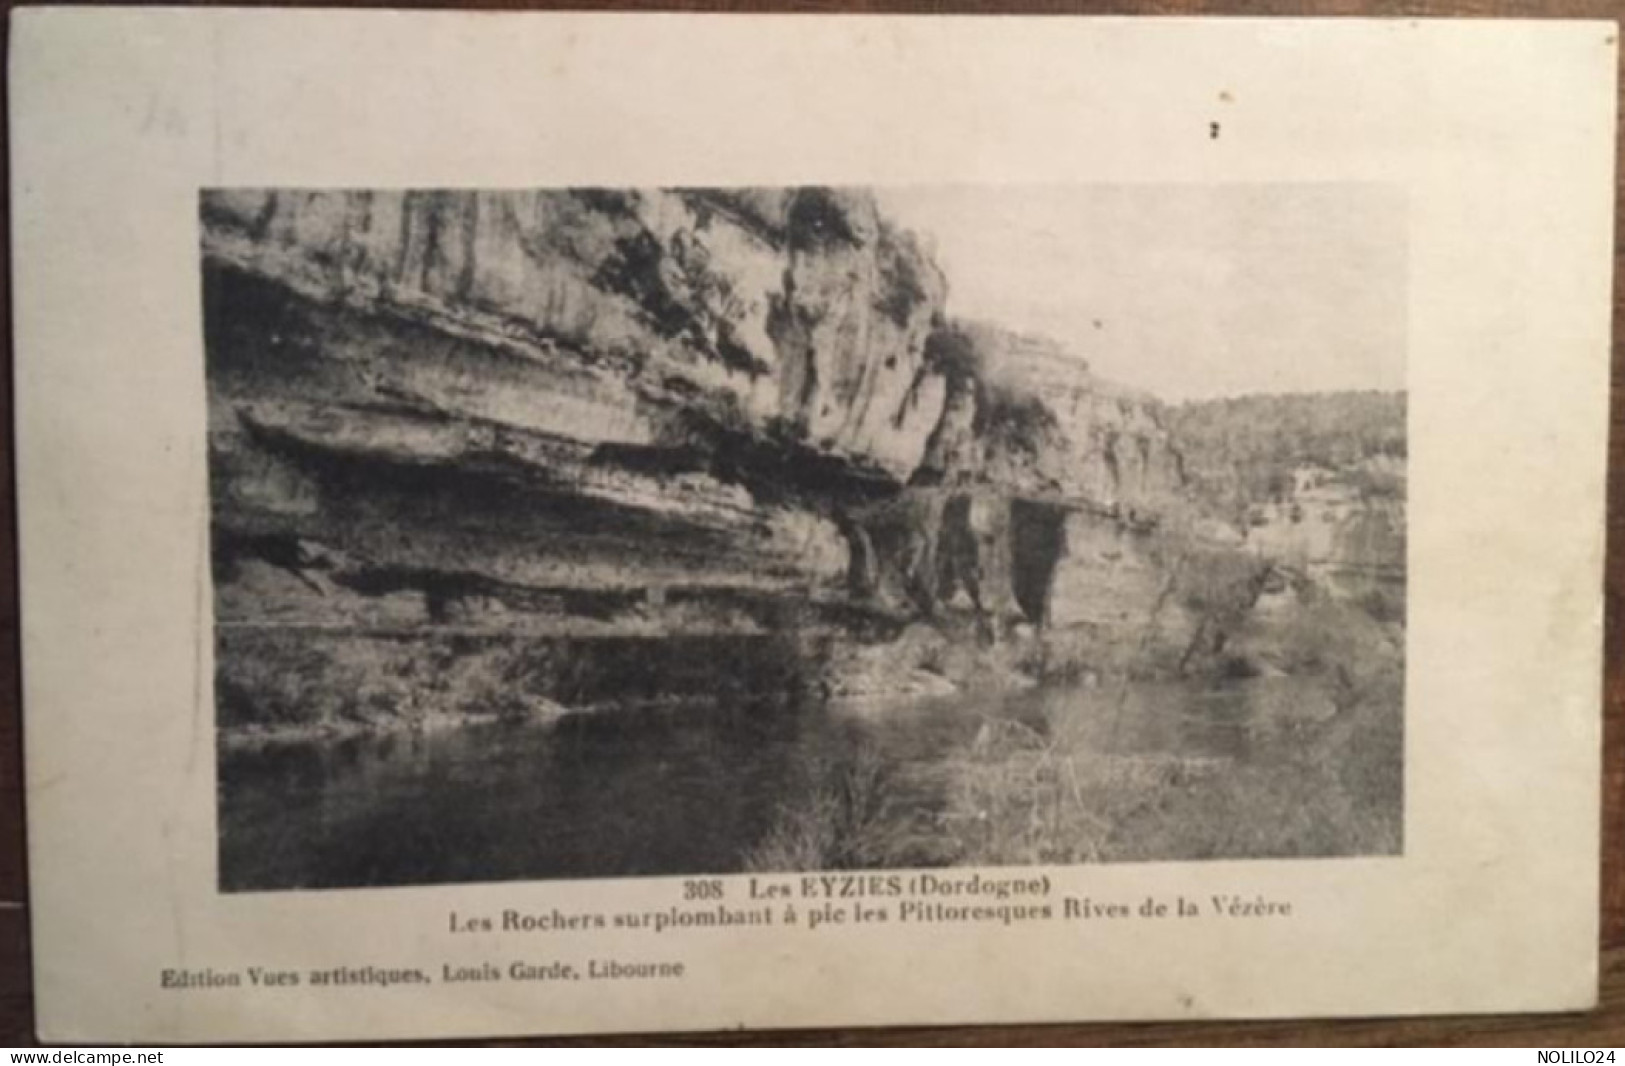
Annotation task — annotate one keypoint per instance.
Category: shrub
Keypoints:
(849, 818)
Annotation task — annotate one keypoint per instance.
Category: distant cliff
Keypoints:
(1245, 450)
(1314, 482)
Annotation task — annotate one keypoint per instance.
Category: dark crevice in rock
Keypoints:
(818, 221)
(1037, 539)
(634, 271)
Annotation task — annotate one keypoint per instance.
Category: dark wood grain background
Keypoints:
(1604, 1026)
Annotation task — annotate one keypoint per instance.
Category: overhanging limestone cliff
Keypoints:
(586, 414)
(622, 390)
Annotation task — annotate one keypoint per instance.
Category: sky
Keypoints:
(1185, 291)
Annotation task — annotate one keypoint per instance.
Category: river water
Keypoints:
(639, 791)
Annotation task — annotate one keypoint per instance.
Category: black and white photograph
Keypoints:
(611, 532)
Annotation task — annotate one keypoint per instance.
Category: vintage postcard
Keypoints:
(565, 523)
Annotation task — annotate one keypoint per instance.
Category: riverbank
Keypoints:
(1292, 747)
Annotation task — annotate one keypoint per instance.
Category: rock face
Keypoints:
(1106, 579)
(1346, 525)
(564, 411)
(1028, 417)
(1033, 464)
(447, 403)
(531, 418)
(623, 316)
(1314, 482)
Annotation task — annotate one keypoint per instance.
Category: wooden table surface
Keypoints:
(1604, 1026)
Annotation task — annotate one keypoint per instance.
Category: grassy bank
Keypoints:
(304, 683)
(1305, 762)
